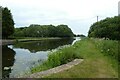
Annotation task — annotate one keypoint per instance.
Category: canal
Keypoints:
(19, 58)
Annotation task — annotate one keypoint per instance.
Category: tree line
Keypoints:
(35, 30)
(107, 28)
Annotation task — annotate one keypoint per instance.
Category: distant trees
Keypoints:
(79, 35)
(64, 31)
(7, 23)
(107, 28)
(43, 31)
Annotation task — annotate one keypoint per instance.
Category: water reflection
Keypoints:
(24, 60)
(7, 60)
(18, 58)
(43, 45)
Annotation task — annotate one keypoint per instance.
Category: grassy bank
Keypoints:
(59, 57)
(26, 39)
(97, 62)
(34, 39)
(108, 48)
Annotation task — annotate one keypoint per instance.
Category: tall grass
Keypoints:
(57, 58)
(94, 51)
(108, 47)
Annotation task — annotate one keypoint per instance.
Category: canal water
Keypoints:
(19, 58)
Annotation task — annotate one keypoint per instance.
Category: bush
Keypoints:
(107, 28)
(57, 58)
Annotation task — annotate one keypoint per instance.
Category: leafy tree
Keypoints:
(44, 31)
(64, 31)
(52, 31)
(18, 32)
(7, 23)
(107, 28)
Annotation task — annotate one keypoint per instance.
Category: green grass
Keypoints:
(59, 57)
(95, 64)
(35, 39)
(25, 39)
(107, 47)
(98, 61)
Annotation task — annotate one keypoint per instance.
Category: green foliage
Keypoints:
(42, 44)
(44, 31)
(64, 31)
(57, 58)
(7, 23)
(108, 48)
(63, 56)
(94, 65)
(94, 60)
(107, 28)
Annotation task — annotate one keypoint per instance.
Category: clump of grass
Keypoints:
(57, 58)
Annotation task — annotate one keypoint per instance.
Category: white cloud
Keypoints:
(77, 14)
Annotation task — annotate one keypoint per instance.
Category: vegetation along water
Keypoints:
(100, 58)
(35, 49)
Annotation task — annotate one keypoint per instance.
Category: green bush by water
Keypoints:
(57, 58)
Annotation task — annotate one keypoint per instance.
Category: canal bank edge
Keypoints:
(7, 42)
(54, 70)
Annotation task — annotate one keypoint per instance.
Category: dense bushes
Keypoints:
(44, 31)
(107, 28)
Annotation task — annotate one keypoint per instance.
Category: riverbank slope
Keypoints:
(97, 62)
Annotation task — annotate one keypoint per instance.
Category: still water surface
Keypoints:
(17, 59)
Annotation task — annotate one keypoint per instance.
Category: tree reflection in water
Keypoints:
(7, 60)
(17, 58)
(43, 45)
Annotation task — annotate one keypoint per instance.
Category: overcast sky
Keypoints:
(77, 14)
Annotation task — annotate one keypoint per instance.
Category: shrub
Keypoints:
(57, 58)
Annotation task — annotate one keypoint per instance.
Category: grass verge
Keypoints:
(57, 58)
(35, 39)
(96, 64)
